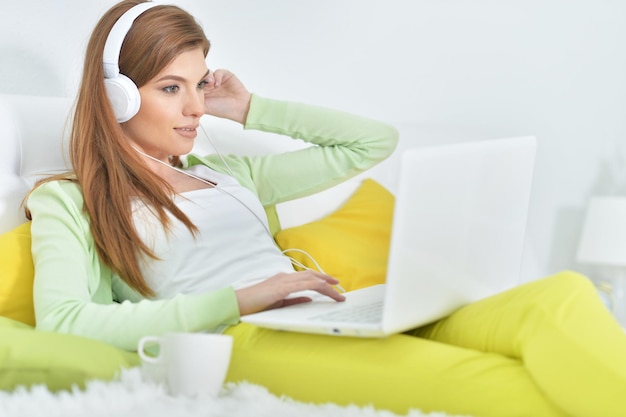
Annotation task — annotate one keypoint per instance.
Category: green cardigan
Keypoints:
(76, 293)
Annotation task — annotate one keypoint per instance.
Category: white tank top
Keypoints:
(233, 246)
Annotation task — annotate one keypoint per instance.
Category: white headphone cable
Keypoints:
(217, 151)
(301, 265)
(294, 261)
(209, 183)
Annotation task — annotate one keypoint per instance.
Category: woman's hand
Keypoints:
(273, 292)
(225, 96)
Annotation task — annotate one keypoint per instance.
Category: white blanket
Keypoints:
(132, 396)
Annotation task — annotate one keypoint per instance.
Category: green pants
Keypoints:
(545, 348)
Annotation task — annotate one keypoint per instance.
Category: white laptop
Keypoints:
(458, 236)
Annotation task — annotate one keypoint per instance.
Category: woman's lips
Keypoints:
(188, 132)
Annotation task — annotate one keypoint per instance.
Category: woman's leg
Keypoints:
(396, 373)
(559, 329)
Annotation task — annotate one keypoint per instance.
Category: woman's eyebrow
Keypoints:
(178, 77)
(171, 77)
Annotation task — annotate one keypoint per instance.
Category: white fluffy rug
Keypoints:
(130, 396)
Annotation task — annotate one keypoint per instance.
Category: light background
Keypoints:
(552, 68)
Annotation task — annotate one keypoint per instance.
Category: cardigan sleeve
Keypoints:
(343, 145)
(72, 290)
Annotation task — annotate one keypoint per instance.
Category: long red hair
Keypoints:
(109, 171)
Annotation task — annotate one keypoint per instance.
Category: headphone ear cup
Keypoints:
(124, 97)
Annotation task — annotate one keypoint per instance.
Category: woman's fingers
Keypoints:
(274, 291)
(220, 76)
(295, 300)
(312, 280)
(225, 96)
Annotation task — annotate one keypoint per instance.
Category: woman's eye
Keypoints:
(171, 89)
(202, 84)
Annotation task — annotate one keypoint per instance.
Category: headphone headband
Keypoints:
(113, 45)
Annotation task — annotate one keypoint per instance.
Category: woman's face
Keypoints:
(171, 106)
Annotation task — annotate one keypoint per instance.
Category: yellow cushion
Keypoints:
(30, 357)
(352, 243)
(60, 361)
(16, 275)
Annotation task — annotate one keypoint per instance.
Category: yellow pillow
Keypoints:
(16, 275)
(352, 243)
(60, 361)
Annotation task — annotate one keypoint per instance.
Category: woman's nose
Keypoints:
(194, 105)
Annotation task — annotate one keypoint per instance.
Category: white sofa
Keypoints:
(31, 131)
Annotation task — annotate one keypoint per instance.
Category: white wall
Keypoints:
(552, 68)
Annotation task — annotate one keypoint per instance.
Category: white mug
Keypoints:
(192, 363)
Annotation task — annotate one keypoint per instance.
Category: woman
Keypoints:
(133, 243)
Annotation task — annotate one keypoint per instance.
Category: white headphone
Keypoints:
(121, 90)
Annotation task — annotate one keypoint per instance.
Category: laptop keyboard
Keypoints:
(362, 313)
